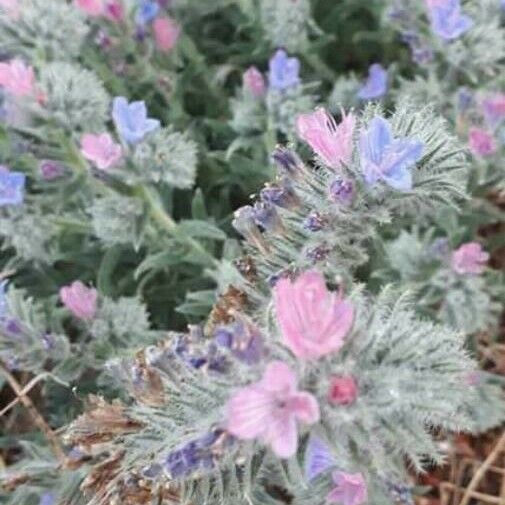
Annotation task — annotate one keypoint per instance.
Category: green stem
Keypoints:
(165, 221)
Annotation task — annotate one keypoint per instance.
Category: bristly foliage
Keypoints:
(74, 97)
(410, 379)
(410, 373)
(51, 30)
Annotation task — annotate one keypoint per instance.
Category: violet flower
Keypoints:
(146, 12)
(131, 120)
(376, 83)
(446, 18)
(284, 71)
(385, 158)
(12, 185)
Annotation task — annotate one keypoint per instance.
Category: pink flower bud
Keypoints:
(481, 142)
(80, 300)
(166, 33)
(343, 390)
(254, 82)
(470, 258)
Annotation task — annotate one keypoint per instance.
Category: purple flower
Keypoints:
(131, 120)
(386, 158)
(146, 12)
(493, 108)
(3, 299)
(197, 454)
(12, 185)
(51, 170)
(439, 248)
(242, 339)
(342, 191)
(284, 71)
(464, 99)
(282, 195)
(267, 217)
(446, 18)
(315, 222)
(376, 83)
(318, 458)
(47, 499)
(287, 161)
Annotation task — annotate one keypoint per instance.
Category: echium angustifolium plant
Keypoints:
(301, 387)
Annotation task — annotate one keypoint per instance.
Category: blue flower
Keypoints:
(376, 84)
(284, 72)
(47, 499)
(447, 21)
(386, 158)
(318, 458)
(12, 185)
(3, 299)
(131, 120)
(146, 12)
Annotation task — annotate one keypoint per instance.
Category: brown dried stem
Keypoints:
(39, 421)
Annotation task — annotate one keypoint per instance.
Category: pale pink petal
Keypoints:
(249, 412)
(305, 407)
(279, 378)
(331, 142)
(282, 436)
(313, 321)
(350, 489)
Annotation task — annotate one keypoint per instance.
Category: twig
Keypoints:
(39, 421)
(24, 391)
(479, 474)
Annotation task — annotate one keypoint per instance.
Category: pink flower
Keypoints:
(331, 142)
(481, 142)
(11, 8)
(114, 10)
(313, 320)
(17, 78)
(493, 108)
(93, 8)
(166, 33)
(350, 489)
(101, 150)
(80, 300)
(271, 409)
(343, 390)
(470, 258)
(254, 82)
